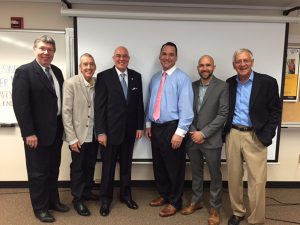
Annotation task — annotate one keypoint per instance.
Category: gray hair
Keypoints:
(86, 55)
(46, 39)
(240, 51)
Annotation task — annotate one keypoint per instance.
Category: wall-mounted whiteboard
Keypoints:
(144, 38)
(16, 47)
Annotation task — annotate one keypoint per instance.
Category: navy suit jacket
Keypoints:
(115, 116)
(264, 106)
(35, 102)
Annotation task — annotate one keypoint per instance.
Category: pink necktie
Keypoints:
(156, 112)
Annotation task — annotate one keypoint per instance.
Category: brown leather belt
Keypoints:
(242, 128)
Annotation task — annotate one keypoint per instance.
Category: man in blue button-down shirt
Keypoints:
(254, 114)
(168, 131)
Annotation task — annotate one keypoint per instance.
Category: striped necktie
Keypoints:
(124, 85)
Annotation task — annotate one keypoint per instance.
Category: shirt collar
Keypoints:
(87, 84)
(250, 78)
(206, 85)
(119, 72)
(170, 71)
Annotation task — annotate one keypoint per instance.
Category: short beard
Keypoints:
(206, 78)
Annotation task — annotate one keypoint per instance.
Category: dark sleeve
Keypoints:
(140, 105)
(100, 105)
(274, 108)
(22, 102)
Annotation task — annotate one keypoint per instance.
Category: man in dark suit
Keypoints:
(205, 140)
(119, 120)
(254, 114)
(36, 95)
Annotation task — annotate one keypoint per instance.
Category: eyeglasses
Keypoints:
(245, 61)
(44, 49)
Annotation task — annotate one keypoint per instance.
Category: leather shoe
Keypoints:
(81, 208)
(189, 209)
(91, 196)
(157, 202)
(235, 220)
(168, 210)
(214, 218)
(104, 209)
(130, 204)
(44, 216)
(59, 207)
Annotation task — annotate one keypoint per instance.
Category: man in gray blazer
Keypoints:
(78, 119)
(205, 140)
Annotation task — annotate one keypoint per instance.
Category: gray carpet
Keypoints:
(15, 209)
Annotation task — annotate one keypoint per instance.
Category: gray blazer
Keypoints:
(211, 117)
(76, 109)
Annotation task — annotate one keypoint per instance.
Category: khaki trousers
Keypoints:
(245, 146)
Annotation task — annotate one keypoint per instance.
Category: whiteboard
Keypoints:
(17, 49)
(144, 38)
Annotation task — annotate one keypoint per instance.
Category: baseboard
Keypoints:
(151, 183)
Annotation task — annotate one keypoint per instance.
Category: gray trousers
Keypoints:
(197, 154)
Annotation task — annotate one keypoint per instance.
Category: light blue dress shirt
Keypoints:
(176, 102)
(241, 112)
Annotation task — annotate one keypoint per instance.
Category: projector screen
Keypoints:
(144, 38)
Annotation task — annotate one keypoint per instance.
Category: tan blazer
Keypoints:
(76, 109)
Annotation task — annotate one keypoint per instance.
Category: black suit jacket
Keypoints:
(35, 102)
(264, 108)
(115, 116)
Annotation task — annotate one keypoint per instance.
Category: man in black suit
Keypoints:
(36, 95)
(254, 114)
(119, 120)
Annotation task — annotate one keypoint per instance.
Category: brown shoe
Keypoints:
(189, 209)
(168, 210)
(157, 202)
(214, 218)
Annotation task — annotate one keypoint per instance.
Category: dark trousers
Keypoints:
(82, 170)
(168, 164)
(43, 168)
(110, 155)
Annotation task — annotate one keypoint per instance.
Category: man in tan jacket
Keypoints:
(78, 119)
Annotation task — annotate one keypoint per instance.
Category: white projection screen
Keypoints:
(143, 38)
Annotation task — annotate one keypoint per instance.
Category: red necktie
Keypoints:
(156, 112)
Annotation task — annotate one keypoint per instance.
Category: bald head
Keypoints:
(121, 58)
(206, 67)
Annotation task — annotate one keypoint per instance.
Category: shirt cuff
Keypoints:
(180, 132)
(148, 124)
(203, 134)
(73, 141)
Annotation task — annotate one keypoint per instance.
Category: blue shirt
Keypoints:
(176, 102)
(241, 111)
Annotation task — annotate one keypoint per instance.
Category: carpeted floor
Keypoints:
(283, 207)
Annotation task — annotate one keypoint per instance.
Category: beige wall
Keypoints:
(12, 160)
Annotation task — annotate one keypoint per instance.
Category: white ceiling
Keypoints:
(284, 4)
(279, 4)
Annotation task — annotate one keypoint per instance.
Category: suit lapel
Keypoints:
(130, 85)
(208, 91)
(116, 80)
(255, 89)
(43, 77)
(83, 88)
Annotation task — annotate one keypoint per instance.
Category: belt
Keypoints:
(165, 124)
(242, 128)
